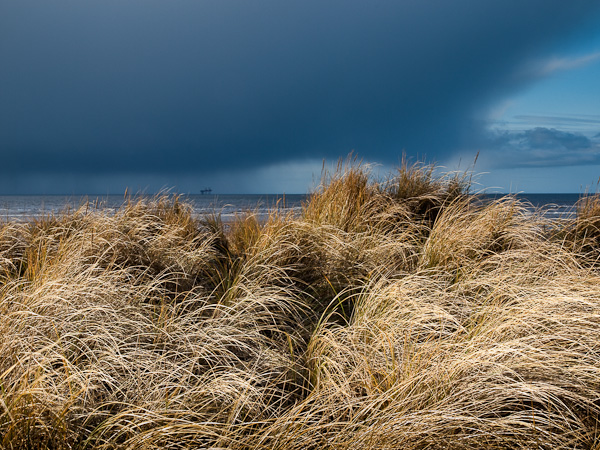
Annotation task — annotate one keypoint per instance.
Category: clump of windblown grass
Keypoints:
(582, 235)
(424, 193)
(387, 314)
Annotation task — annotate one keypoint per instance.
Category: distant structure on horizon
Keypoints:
(205, 191)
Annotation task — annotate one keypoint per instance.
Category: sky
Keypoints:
(252, 96)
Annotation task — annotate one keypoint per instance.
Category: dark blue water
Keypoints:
(23, 207)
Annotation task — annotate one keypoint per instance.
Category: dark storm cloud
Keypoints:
(540, 147)
(201, 85)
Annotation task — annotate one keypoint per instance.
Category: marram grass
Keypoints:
(402, 314)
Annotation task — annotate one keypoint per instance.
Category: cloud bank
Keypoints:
(540, 147)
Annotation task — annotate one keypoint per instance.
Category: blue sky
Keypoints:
(99, 96)
(561, 110)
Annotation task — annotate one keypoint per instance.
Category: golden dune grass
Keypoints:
(394, 314)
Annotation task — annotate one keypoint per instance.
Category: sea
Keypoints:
(27, 207)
